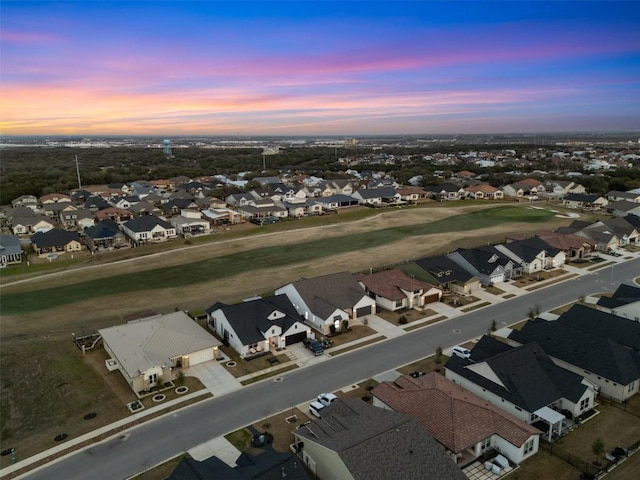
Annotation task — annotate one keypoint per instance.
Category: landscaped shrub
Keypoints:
(403, 320)
(345, 325)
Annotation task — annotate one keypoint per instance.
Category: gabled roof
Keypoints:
(565, 241)
(485, 259)
(337, 199)
(103, 229)
(598, 355)
(250, 319)
(155, 341)
(582, 197)
(377, 443)
(454, 416)
(444, 270)
(379, 192)
(633, 220)
(31, 220)
(390, 283)
(146, 223)
(10, 245)
(524, 376)
(54, 238)
(607, 325)
(21, 212)
(443, 187)
(325, 294)
(530, 248)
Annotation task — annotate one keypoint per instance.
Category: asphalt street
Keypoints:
(153, 442)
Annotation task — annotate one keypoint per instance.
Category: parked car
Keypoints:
(461, 352)
(315, 408)
(327, 398)
(315, 346)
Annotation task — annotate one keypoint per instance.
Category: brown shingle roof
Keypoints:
(455, 417)
(483, 187)
(388, 284)
(565, 241)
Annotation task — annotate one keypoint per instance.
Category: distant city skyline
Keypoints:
(318, 68)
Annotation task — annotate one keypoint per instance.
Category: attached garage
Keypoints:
(295, 338)
(361, 312)
(431, 298)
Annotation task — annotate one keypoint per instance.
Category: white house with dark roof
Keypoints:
(148, 228)
(354, 440)
(328, 300)
(524, 381)
(624, 302)
(465, 424)
(258, 325)
(149, 350)
(31, 224)
(10, 249)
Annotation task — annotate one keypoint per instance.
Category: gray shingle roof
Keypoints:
(323, 295)
(145, 223)
(444, 270)
(54, 238)
(592, 353)
(531, 380)
(377, 443)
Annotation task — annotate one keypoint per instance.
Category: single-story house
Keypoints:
(377, 197)
(585, 200)
(573, 246)
(489, 264)
(29, 201)
(105, 235)
(148, 228)
(56, 241)
(394, 290)
(114, 213)
(328, 300)
(223, 216)
(149, 351)
(465, 424)
(333, 202)
(31, 224)
(484, 191)
(534, 254)
(354, 440)
(190, 223)
(524, 381)
(258, 325)
(10, 249)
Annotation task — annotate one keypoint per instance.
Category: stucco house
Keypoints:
(149, 351)
(489, 264)
(257, 326)
(394, 290)
(328, 300)
(148, 228)
(444, 273)
(624, 302)
(56, 241)
(534, 254)
(10, 249)
(465, 424)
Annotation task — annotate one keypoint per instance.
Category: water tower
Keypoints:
(166, 147)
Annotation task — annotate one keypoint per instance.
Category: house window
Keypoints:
(153, 378)
(631, 386)
(584, 404)
(485, 444)
(528, 446)
(399, 302)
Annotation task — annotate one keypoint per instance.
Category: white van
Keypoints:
(315, 408)
(461, 352)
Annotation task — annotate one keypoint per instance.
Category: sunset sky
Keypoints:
(325, 68)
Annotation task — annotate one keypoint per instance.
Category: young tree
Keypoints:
(598, 448)
(438, 358)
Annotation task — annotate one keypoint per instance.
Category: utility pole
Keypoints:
(78, 172)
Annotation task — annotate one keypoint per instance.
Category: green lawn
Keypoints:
(260, 258)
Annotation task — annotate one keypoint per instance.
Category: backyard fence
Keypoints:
(579, 463)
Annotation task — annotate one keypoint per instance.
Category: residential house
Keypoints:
(573, 246)
(261, 209)
(265, 465)
(484, 191)
(124, 202)
(148, 228)
(622, 330)
(334, 202)
(259, 325)
(534, 254)
(354, 440)
(241, 199)
(149, 351)
(54, 210)
(10, 249)
(613, 367)
(173, 207)
(29, 201)
(411, 194)
(105, 235)
(116, 214)
(604, 239)
(95, 204)
(394, 290)
(326, 301)
(76, 219)
(443, 273)
(32, 224)
(524, 381)
(585, 201)
(54, 198)
(560, 188)
(524, 189)
(56, 241)
(627, 233)
(617, 196)
(465, 424)
(191, 222)
(623, 207)
(222, 216)
(377, 197)
(489, 264)
(145, 208)
(625, 302)
(297, 210)
(444, 191)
